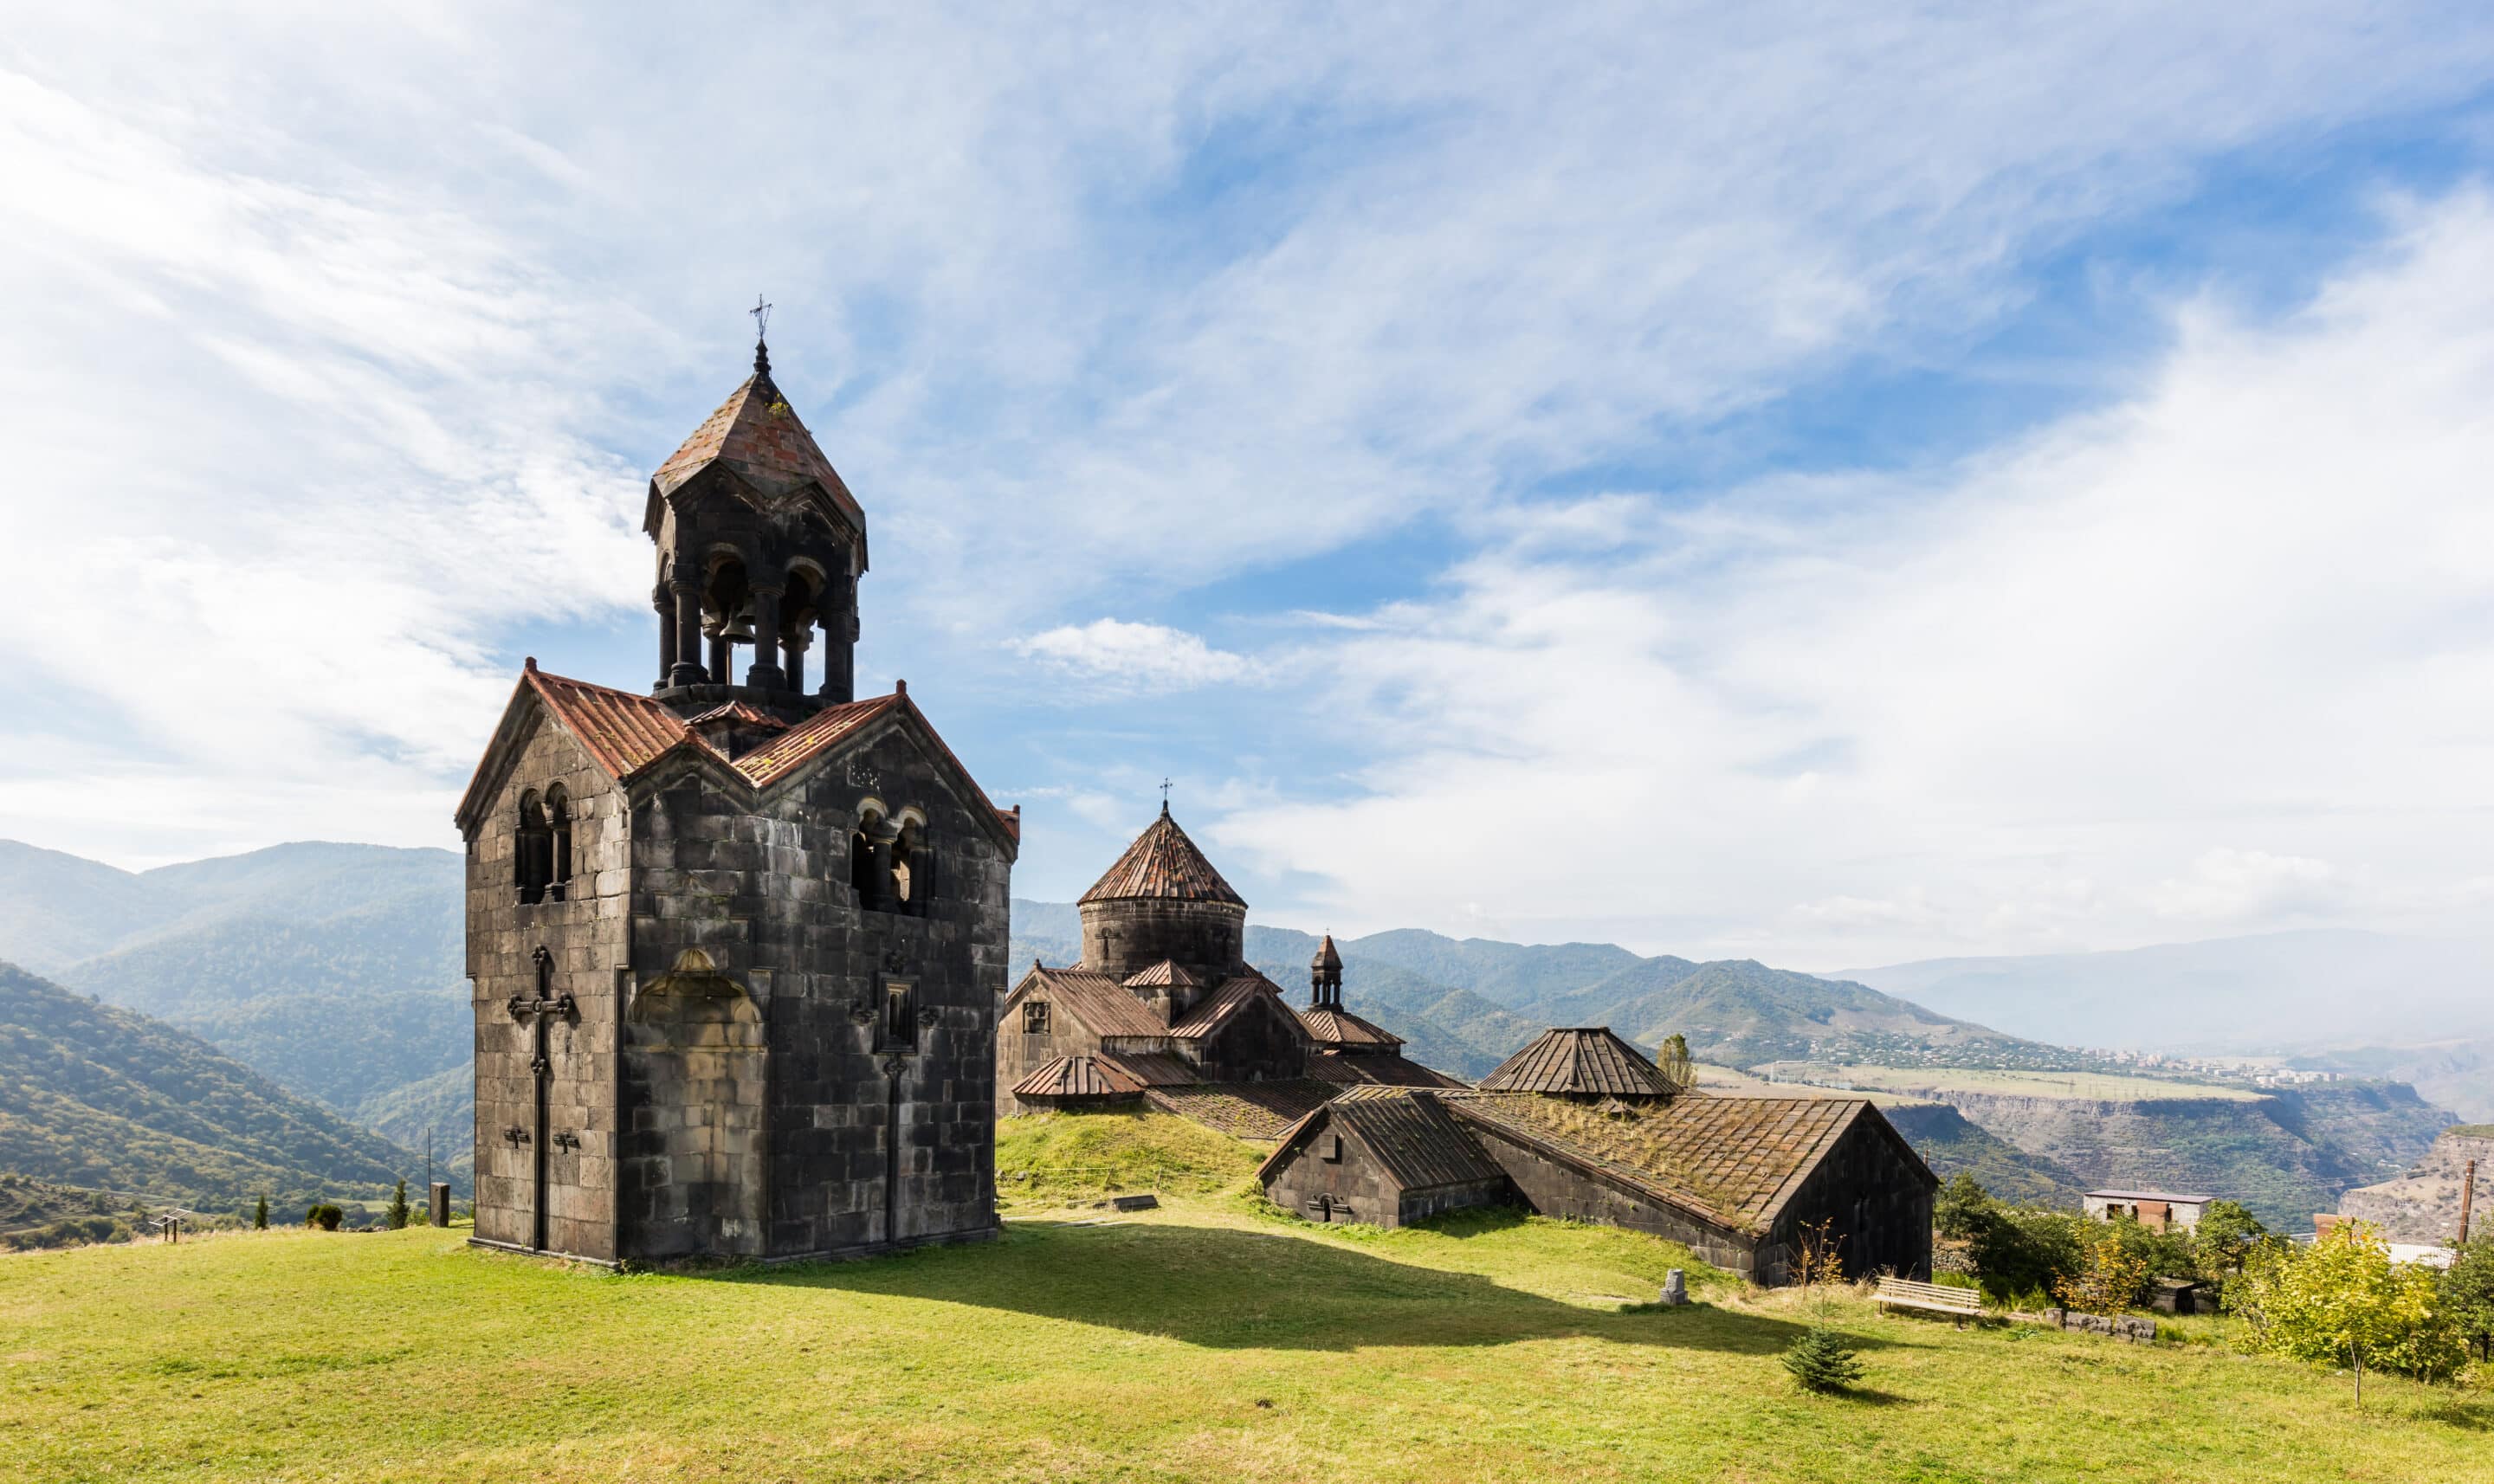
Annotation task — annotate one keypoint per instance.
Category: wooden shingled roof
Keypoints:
(1330, 1028)
(1412, 1134)
(1104, 1006)
(1734, 1160)
(1080, 1076)
(1585, 1060)
(1163, 864)
(1376, 1069)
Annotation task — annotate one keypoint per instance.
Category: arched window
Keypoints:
(863, 877)
(904, 855)
(532, 850)
(558, 843)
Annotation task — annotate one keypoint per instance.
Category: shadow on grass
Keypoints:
(1245, 1290)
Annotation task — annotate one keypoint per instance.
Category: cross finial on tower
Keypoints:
(1164, 788)
(761, 314)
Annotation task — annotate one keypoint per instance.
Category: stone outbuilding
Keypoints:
(1574, 1125)
(1386, 1156)
(735, 946)
(1164, 1000)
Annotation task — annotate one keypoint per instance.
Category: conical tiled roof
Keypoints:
(1163, 864)
(758, 436)
(1584, 1060)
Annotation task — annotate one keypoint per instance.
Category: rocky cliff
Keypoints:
(2422, 1205)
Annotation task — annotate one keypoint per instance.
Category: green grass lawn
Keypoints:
(1204, 1340)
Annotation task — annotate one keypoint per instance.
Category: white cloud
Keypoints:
(339, 351)
(1136, 656)
(2163, 661)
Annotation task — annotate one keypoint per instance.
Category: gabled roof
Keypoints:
(1407, 1129)
(758, 436)
(1096, 1001)
(1377, 1069)
(1080, 1076)
(1216, 1010)
(1736, 1161)
(626, 734)
(1244, 1109)
(1330, 1027)
(1580, 1060)
(1166, 974)
(1163, 864)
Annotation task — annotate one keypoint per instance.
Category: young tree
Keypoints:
(2468, 1295)
(2225, 1239)
(1822, 1254)
(2111, 1274)
(400, 1212)
(1674, 1062)
(1821, 1360)
(259, 1214)
(2343, 1300)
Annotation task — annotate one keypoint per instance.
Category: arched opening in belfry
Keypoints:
(864, 877)
(906, 871)
(798, 613)
(727, 617)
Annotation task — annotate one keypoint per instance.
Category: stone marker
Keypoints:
(1675, 1288)
(438, 1210)
(1135, 1202)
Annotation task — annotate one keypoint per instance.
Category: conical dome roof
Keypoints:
(1165, 865)
(757, 436)
(1327, 956)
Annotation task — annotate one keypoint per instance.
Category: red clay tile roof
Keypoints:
(738, 711)
(1342, 1028)
(812, 734)
(1583, 1060)
(1212, 1012)
(1733, 1160)
(758, 436)
(1080, 1076)
(1244, 1109)
(1101, 1005)
(1163, 864)
(625, 732)
(1166, 973)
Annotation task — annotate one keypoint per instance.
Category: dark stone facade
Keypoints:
(749, 1009)
(1350, 1182)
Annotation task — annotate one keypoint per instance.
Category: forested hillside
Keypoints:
(334, 970)
(94, 1095)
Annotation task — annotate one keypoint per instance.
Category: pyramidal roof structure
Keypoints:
(758, 436)
(1585, 1060)
(1164, 865)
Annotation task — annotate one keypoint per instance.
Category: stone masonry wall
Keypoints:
(863, 1143)
(586, 935)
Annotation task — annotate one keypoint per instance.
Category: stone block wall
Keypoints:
(585, 936)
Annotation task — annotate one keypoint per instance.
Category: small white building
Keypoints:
(2160, 1210)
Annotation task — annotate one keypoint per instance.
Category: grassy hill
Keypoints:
(94, 1095)
(1197, 1342)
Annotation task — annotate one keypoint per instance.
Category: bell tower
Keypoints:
(760, 546)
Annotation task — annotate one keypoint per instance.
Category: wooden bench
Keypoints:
(1959, 1304)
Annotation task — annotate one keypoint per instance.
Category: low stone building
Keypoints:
(1580, 1124)
(1165, 1009)
(2156, 1210)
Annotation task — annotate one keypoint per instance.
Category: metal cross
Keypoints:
(761, 314)
(1164, 788)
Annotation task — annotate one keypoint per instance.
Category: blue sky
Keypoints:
(1822, 487)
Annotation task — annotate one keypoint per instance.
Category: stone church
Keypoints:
(1165, 1009)
(736, 943)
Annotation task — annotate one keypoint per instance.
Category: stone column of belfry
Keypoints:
(765, 673)
(723, 654)
(662, 600)
(687, 632)
(793, 647)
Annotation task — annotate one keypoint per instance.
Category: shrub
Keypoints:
(2343, 1301)
(2111, 1274)
(325, 1218)
(2468, 1291)
(399, 1211)
(260, 1214)
(1821, 1360)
